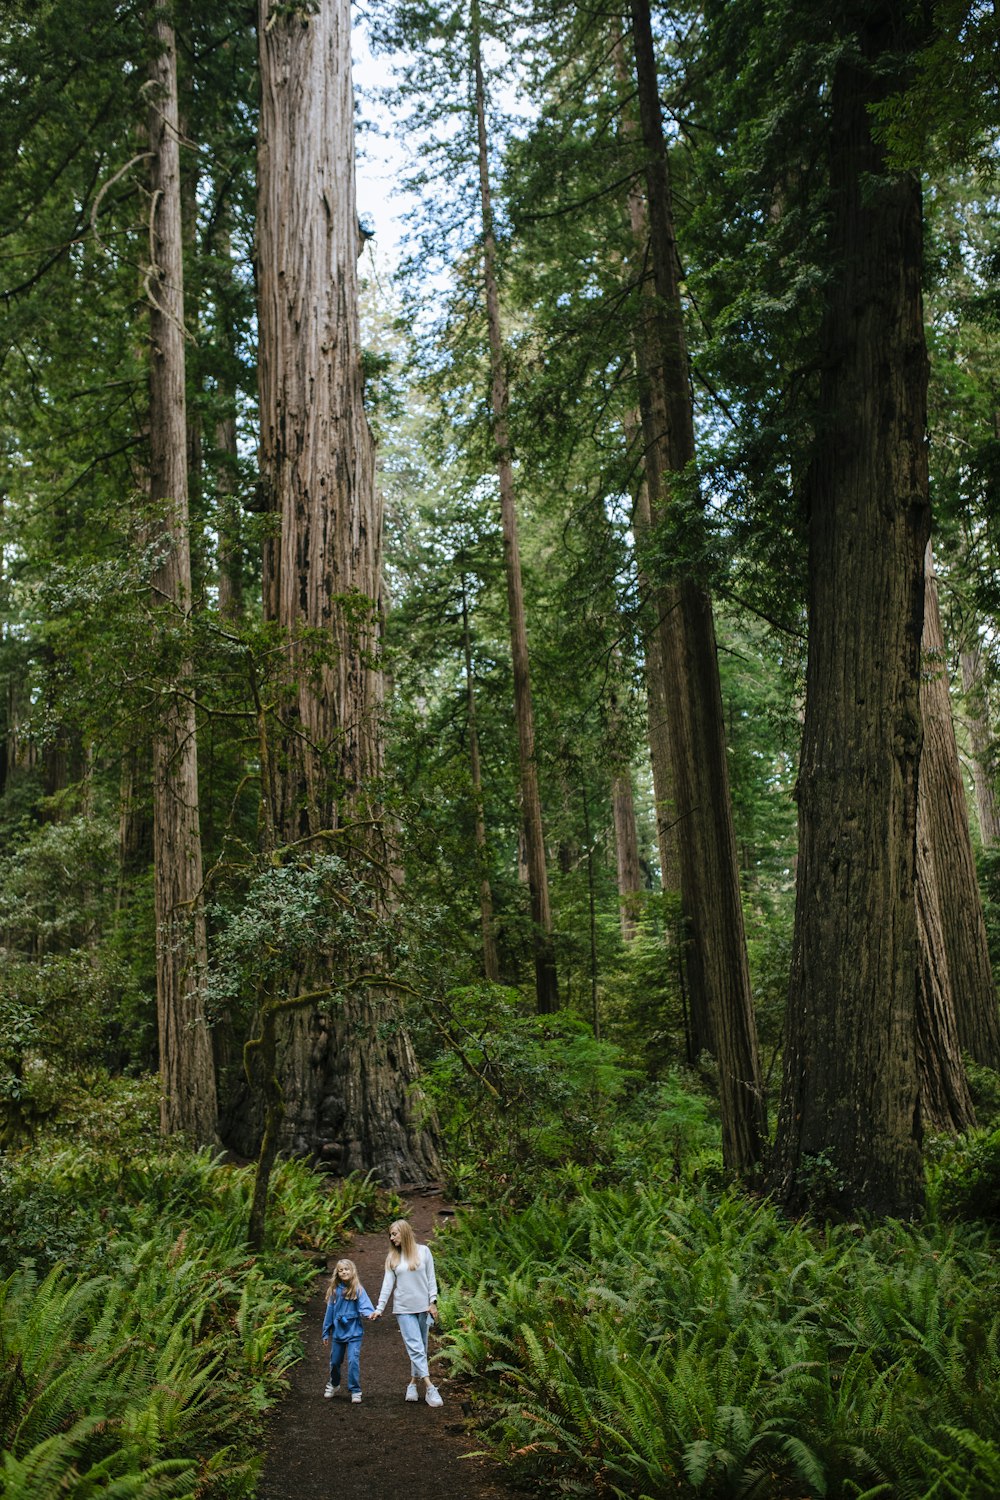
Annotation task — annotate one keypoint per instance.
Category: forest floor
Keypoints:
(384, 1448)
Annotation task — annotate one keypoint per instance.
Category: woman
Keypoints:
(409, 1276)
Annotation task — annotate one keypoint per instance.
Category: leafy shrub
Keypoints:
(59, 1019)
(984, 1086)
(519, 1094)
(969, 1178)
(57, 886)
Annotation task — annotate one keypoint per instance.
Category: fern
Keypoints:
(134, 1382)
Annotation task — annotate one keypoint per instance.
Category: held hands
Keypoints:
(374, 1315)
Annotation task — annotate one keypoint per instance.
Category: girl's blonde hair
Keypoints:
(350, 1288)
(408, 1249)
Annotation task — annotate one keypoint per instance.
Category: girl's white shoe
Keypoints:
(412, 1394)
(433, 1396)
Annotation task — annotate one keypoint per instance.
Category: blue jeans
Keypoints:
(352, 1348)
(414, 1329)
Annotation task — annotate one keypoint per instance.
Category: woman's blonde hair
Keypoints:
(408, 1249)
(350, 1288)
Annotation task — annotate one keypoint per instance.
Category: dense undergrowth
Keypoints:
(632, 1327)
(140, 1343)
(654, 1341)
(630, 1324)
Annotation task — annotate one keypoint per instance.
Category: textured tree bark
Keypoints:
(658, 723)
(714, 940)
(263, 1049)
(546, 986)
(187, 1072)
(945, 1104)
(491, 963)
(850, 1096)
(983, 749)
(943, 805)
(348, 1078)
(230, 560)
(626, 852)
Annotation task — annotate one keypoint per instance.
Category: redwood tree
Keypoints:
(849, 1108)
(942, 796)
(491, 963)
(715, 944)
(348, 1076)
(188, 1100)
(981, 744)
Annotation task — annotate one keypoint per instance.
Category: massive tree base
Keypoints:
(352, 1100)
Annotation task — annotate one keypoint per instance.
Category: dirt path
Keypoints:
(385, 1448)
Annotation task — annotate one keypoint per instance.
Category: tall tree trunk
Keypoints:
(595, 1009)
(945, 1104)
(850, 1090)
(187, 1073)
(348, 1079)
(626, 852)
(983, 749)
(657, 688)
(658, 719)
(623, 820)
(230, 559)
(715, 944)
(135, 828)
(491, 963)
(546, 987)
(942, 797)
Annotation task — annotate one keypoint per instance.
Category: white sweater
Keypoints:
(416, 1289)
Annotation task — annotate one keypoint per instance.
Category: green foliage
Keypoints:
(523, 1099)
(653, 1340)
(518, 1094)
(311, 904)
(968, 1185)
(140, 1347)
(988, 863)
(984, 1087)
(57, 885)
(60, 1025)
(641, 999)
(948, 111)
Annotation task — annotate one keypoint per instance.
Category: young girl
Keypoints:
(409, 1275)
(346, 1303)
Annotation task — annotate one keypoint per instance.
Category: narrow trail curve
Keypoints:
(384, 1448)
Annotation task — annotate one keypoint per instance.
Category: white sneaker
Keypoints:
(433, 1396)
(331, 1390)
(412, 1394)
(355, 1395)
